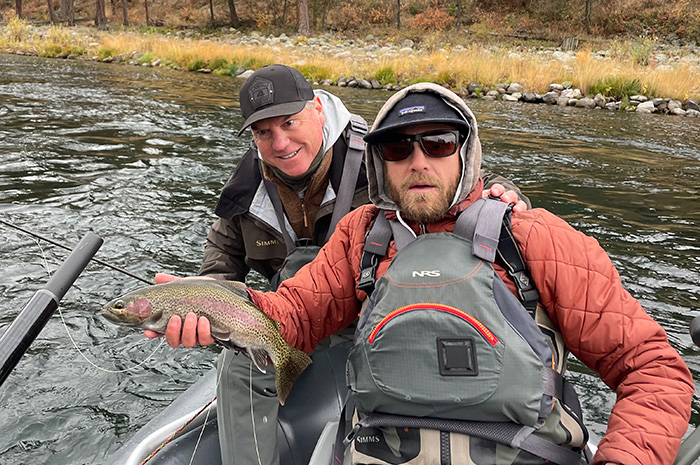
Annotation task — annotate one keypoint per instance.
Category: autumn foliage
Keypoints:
(550, 19)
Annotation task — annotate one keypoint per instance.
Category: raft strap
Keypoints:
(510, 434)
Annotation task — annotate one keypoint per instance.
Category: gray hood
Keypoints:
(470, 151)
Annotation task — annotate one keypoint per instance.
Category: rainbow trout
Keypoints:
(236, 323)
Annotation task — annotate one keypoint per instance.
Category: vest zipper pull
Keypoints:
(352, 434)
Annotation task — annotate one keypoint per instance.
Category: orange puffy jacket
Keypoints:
(602, 324)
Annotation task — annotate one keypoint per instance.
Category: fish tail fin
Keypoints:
(290, 365)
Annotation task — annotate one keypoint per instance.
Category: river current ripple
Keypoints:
(139, 155)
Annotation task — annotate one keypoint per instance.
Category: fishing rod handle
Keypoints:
(695, 330)
(70, 269)
(15, 341)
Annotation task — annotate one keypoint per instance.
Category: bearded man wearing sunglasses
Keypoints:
(275, 213)
(449, 340)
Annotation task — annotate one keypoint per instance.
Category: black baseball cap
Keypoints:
(271, 91)
(419, 108)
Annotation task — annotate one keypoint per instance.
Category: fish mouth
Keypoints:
(111, 316)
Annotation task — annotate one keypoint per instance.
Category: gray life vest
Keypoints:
(303, 250)
(448, 366)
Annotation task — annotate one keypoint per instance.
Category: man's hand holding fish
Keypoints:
(194, 330)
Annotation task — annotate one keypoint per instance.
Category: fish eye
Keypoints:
(119, 304)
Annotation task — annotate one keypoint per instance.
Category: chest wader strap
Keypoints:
(509, 434)
(493, 239)
(351, 169)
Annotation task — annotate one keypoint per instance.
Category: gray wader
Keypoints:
(237, 437)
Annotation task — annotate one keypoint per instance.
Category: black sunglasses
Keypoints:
(436, 144)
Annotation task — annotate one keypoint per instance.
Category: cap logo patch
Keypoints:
(261, 93)
(411, 110)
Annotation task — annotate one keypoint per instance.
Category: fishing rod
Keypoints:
(15, 341)
(96, 260)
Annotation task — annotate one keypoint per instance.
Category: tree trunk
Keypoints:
(314, 14)
(125, 10)
(587, 16)
(100, 17)
(148, 20)
(302, 17)
(67, 12)
(235, 22)
(211, 11)
(284, 13)
(18, 8)
(459, 15)
(52, 16)
(398, 15)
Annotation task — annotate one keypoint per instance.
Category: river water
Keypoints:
(138, 156)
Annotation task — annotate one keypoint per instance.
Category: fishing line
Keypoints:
(58, 244)
(252, 416)
(204, 424)
(63, 320)
(35, 238)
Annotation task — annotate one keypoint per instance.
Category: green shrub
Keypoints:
(195, 64)
(103, 53)
(617, 87)
(446, 78)
(641, 52)
(16, 31)
(315, 73)
(146, 58)
(52, 51)
(424, 78)
(386, 75)
(76, 50)
(625, 103)
(219, 63)
(254, 63)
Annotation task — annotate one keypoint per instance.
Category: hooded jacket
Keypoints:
(247, 234)
(601, 323)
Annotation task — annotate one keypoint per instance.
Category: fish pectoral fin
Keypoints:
(223, 338)
(227, 344)
(259, 358)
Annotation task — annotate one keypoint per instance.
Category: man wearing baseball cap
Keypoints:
(451, 351)
(303, 173)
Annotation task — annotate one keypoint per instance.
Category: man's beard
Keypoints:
(426, 207)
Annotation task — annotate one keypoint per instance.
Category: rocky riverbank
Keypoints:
(372, 53)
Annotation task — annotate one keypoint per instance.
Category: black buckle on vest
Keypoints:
(366, 282)
(526, 291)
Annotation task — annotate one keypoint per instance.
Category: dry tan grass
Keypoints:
(681, 83)
(457, 69)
